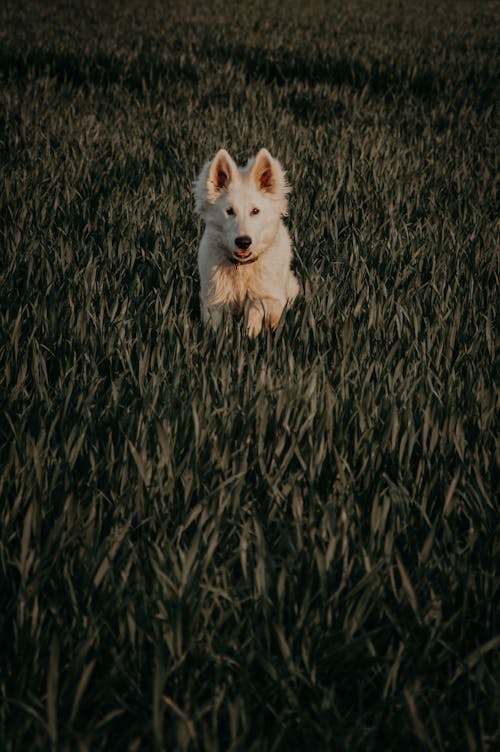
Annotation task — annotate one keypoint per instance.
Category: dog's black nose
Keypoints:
(243, 242)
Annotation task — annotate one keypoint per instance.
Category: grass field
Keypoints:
(211, 543)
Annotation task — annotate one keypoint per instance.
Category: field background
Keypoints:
(210, 543)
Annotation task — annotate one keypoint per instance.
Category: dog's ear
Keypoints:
(221, 174)
(214, 178)
(270, 178)
(263, 172)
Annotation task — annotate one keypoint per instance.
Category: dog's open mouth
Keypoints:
(240, 254)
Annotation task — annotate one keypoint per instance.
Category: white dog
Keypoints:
(245, 252)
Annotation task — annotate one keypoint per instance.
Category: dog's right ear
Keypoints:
(221, 174)
(215, 177)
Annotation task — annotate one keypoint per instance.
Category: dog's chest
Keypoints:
(244, 284)
(239, 282)
(231, 286)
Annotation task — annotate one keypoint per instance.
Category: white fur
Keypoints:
(266, 285)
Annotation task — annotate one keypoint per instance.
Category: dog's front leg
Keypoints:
(269, 309)
(256, 313)
(212, 315)
(273, 310)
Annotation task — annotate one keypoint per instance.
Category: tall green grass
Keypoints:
(213, 543)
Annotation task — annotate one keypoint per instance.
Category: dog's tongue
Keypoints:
(243, 254)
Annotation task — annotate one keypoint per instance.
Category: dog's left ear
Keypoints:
(269, 177)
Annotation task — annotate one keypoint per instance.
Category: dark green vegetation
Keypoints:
(208, 543)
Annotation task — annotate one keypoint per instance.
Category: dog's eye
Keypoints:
(255, 211)
(230, 211)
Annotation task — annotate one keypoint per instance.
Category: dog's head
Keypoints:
(243, 206)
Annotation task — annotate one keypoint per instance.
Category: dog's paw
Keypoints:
(254, 329)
